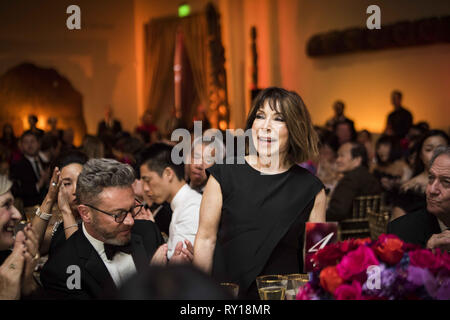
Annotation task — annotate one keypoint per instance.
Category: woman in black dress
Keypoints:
(254, 208)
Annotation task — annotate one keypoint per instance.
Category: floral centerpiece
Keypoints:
(383, 269)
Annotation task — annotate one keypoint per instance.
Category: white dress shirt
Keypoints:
(121, 267)
(442, 225)
(184, 223)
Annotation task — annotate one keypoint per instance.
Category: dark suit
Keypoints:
(415, 227)
(25, 179)
(107, 129)
(354, 183)
(96, 281)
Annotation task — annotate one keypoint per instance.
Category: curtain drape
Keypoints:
(194, 30)
(159, 56)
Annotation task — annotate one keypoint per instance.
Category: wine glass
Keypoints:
(272, 287)
(295, 281)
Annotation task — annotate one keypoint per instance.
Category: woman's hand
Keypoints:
(55, 183)
(31, 256)
(11, 270)
(145, 214)
(64, 201)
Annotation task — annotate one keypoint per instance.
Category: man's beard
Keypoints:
(110, 237)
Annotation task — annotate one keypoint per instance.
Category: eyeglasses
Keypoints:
(120, 217)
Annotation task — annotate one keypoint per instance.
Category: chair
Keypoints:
(358, 225)
(378, 222)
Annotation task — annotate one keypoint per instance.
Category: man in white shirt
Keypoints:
(163, 180)
(111, 246)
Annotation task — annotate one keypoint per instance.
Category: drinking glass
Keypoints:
(295, 281)
(272, 287)
(231, 288)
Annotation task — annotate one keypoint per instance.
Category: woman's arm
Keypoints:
(39, 225)
(318, 212)
(69, 222)
(210, 211)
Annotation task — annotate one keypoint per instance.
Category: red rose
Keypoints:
(330, 279)
(349, 292)
(390, 250)
(355, 263)
(347, 246)
(362, 241)
(425, 259)
(327, 256)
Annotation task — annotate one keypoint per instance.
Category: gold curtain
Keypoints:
(194, 30)
(159, 57)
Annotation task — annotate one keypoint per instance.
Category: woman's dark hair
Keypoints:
(328, 138)
(396, 150)
(71, 157)
(303, 140)
(350, 124)
(419, 166)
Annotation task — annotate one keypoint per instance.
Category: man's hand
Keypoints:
(11, 270)
(182, 255)
(440, 240)
(160, 256)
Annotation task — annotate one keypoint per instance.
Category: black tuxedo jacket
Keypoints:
(96, 281)
(415, 227)
(25, 179)
(103, 128)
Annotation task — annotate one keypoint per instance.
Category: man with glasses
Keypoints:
(111, 245)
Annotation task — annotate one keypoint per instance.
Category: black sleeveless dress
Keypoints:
(262, 222)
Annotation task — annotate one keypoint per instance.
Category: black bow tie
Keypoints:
(111, 250)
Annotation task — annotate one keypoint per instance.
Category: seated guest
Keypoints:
(345, 131)
(29, 175)
(62, 191)
(357, 181)
(411, 196)
(365, 138)
(110, 246)
(390, 168)
(164, 181)
(327, 171)
(430, 227)
(203, 155)
(16, 265)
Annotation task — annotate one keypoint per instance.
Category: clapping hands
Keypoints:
(16, 273)
(180, 254)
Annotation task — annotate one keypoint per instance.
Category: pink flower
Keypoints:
(306, 293)
(355, 263)
(349, 292)
(425, 259)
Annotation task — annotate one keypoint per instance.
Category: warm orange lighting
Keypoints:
(223, 125)
(223, 110)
